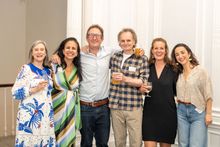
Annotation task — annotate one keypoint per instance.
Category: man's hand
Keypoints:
(85, 49)
(138, 52)
(117, 76)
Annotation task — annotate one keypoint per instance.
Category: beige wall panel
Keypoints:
(47, 23)
(12, 38)
(8, 111)
(2, 112)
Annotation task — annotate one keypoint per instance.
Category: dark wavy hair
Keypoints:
(76, 61)
(176, 64)
(166, 58)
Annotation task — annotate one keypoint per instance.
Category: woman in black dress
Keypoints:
(159, 114)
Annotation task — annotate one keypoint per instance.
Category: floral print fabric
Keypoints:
(35, 124)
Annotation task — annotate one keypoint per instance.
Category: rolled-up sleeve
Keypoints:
(207, 91)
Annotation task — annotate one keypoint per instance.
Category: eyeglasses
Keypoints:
(92, 35)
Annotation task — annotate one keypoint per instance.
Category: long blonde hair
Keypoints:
(166, 58)
(35, 43)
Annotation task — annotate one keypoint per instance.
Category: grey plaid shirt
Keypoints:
(123, 96)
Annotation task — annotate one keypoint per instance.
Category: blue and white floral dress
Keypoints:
(35, 124)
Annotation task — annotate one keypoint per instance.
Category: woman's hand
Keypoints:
(55, 59)
(142, 88)
(145, 88)
(39, 87)
(208, 119)
(208, 116)
(142, 52)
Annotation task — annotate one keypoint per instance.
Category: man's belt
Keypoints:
(95, 103)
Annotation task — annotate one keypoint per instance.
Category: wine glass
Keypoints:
(46, 80)
(149, 88)
(44, 75)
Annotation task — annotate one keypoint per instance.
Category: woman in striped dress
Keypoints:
(65, 95)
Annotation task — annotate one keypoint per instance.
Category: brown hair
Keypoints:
(178, 66)
(95, 26)
(128, 30)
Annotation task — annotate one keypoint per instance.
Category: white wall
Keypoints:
(196, 23)
(111, 16)
(214, 137)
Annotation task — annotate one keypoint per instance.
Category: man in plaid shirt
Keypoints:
(125, 100)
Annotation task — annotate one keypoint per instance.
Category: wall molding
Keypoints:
(200, 29)
(157, 23)
(216, 118)
(74, 19)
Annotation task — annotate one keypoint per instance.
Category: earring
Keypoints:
(177, 63)
(152, 56)
(190, 59)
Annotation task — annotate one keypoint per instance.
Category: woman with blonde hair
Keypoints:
(159, 114)
(33, 85)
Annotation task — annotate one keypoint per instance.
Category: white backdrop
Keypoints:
(194, 22)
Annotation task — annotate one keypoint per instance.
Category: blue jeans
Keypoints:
(192, 130)
(95, 123)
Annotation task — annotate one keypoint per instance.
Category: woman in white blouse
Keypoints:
(194, 97)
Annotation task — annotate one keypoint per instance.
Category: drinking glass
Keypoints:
(137, 51)
(45, 76)
(149, 88)
(114, 81)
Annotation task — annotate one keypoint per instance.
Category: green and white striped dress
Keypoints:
(66, 104)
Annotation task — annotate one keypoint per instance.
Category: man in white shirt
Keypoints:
(94, 90)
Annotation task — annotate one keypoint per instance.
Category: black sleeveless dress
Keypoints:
(159, 114)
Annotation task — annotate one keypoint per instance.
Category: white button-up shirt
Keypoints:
(95, 74)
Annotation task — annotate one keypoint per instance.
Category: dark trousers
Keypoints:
(95, 123)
